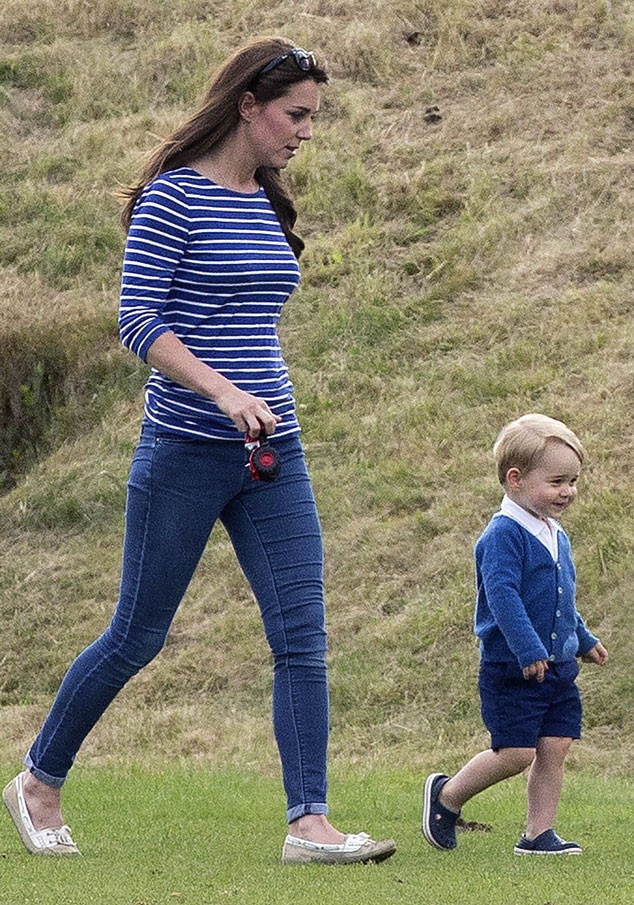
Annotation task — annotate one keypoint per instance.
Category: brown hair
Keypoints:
(219, 115)
(521, 443)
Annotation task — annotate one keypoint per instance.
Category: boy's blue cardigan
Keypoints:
(525, 609)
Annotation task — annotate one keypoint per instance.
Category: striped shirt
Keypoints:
(214, 267)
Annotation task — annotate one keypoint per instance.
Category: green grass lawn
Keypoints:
(210, 837)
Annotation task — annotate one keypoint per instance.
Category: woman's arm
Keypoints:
(171, 357)
(156, 242)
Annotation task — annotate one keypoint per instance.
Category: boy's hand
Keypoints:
(537, 669)
(597, 654)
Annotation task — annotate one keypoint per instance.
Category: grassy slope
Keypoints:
(458, 273)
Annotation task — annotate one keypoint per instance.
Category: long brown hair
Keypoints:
(219, 115)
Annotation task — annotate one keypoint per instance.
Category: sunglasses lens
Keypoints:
(304, 59)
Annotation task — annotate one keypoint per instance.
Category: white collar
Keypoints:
(545, 530)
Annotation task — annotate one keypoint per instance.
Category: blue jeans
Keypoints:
(176, 491)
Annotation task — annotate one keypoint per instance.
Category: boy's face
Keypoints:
(551, 486)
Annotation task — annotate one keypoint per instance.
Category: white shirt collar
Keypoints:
(544, 530)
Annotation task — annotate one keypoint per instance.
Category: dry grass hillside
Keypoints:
(467, 204)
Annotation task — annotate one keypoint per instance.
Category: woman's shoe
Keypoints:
(358, 848)
(39, 842)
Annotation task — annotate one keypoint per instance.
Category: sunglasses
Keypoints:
(304, 60)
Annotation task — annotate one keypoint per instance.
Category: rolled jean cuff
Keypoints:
(55, 782)
(301, 809)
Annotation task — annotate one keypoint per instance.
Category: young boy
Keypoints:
(530, 634)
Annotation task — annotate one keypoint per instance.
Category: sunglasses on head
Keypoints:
(304, 60)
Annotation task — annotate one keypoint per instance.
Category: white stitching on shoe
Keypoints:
(25, 817)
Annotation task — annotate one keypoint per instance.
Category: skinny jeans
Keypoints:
(177, 489)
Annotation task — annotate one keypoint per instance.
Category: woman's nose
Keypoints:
(305, 132)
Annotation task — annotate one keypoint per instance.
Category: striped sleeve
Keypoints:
(156, 243)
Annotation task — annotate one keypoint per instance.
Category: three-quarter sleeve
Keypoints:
(156, 242)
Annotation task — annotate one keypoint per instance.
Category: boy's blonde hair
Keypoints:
(521, 443)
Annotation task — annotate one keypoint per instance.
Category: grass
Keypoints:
(459, 272)
(180, 835)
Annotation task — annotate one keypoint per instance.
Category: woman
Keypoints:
(210, 259)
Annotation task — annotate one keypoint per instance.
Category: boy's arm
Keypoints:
(499, 565)
(585, 638)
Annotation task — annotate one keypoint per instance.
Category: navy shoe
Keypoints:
(439, 823)
(547, 843)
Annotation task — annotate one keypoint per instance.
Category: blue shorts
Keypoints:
(518, 711)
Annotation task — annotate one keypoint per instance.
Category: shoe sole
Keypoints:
(568, 851)
(427, 803)
(379, 851)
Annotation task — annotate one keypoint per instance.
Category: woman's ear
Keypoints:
(247, 105)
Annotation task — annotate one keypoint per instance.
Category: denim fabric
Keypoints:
(176, 491)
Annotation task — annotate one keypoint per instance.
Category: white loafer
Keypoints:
(39, 842)
(358, 848)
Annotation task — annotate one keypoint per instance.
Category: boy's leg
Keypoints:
(485, 769)
(545, 781)
(560, 725)
(443, 796)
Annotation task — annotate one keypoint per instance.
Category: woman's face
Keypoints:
(277, 128)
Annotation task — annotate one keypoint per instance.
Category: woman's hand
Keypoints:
(249, 414)
(169, 355)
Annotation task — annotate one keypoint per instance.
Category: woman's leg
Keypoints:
(171, 508)
(277, 536)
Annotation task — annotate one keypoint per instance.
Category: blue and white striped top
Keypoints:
(214, 267)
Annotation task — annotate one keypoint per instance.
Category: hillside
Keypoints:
(466, 204)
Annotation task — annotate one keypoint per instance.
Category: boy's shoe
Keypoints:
(547, 843)
(439, 823)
